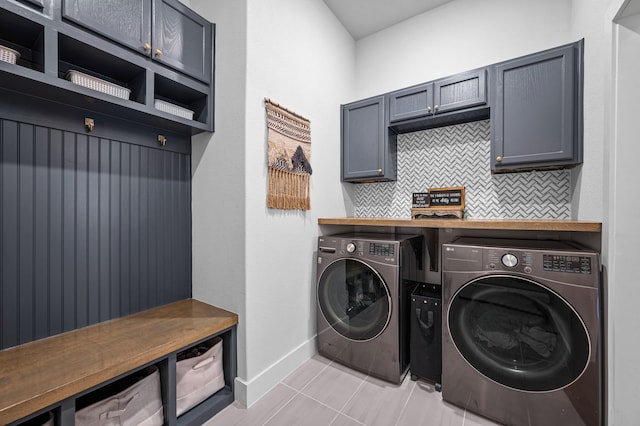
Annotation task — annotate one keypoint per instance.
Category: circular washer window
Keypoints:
(354, 299)
(518, 333)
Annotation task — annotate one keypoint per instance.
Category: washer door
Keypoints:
(518, 333)
(354, 299)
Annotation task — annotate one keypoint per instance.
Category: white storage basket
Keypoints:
(94, 83)
(8, 55)
(138, 405)
(173, 109)
(199, 377)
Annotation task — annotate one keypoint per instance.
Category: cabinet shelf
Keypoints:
(24, 36)
(78, 56)
(173, 92)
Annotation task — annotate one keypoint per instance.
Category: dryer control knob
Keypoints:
(509, 260)
(351, 247)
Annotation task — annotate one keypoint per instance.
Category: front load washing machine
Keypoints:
(363, 286)
(522, 339)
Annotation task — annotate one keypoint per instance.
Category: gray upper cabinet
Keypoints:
(536, 110)
(128, 23)
(165, 30)
(453, 93)
(412, 102)
(182, 39)
(159, 53)
(460, 91)
(368, 148)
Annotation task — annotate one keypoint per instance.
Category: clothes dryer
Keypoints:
(522, 333)
(363, 286)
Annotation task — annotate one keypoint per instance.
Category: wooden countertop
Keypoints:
(497, 224)
(36, 375)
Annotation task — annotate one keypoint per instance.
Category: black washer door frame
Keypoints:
(354, 299)
(518, 333)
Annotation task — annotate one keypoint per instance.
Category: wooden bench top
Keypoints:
(36, 375)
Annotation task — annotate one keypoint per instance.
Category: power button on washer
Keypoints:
(527, 269)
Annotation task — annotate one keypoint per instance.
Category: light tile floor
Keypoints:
(322, 392)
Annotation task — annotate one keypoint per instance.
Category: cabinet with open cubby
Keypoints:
(55, 58)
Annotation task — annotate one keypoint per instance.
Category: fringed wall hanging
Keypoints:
(289, 140)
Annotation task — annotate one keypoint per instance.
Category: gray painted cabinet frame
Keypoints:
(176, 67)
(465, 90)
(368, 145)
(537, 110)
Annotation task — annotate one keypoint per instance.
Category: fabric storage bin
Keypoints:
(45, 419)
(138, 404)
(199, 374)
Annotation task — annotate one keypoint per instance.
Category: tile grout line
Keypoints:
(314, 377)
(323, 404)
(283, 406)
(300, 392)
(352, 396)
(407, 401)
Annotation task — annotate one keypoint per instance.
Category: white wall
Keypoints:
(247, 258)
(623, 231)
(455, 37)
(218, 173)
(300, 56)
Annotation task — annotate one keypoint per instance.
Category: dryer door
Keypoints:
(518, 333)
(354, 299)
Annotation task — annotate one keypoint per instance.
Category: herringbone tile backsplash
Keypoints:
(459, 156)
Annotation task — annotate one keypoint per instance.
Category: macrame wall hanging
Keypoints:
(289, 140)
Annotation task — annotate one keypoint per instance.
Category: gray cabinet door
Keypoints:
(460, 91)
(536, 111)
(465, 90)
(182, 39)
(365, 146)
(412, 102)
(127, 22)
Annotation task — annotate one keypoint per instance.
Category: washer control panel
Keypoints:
(382, 249)
(561, 263)
(558, 261)
(526, 261)
(387, 252)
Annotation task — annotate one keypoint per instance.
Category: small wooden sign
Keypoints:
(439, 203)
(420, 200)
(447, 198)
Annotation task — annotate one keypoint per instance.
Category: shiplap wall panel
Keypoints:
(90, 229)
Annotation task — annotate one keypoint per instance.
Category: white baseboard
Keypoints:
(248, 392)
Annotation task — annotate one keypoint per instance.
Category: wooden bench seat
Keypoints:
(38, 375)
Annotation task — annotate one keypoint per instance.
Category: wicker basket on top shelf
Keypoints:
(8, 55)
(173, 109)
(94, 83)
